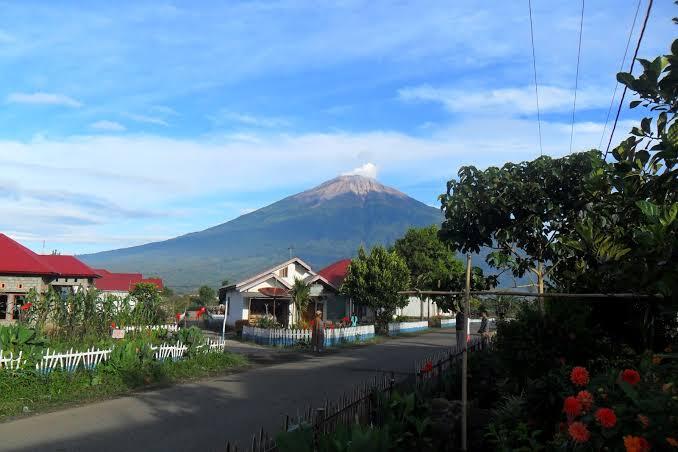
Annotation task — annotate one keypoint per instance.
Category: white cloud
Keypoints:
(367, 170)
(512, 100)
(106, 125)
(147, 119)
(41, 98)
(225, 117)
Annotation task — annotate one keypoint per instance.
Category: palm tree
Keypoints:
(301, 295)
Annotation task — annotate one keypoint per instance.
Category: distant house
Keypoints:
(120, 284)
(268, 292)
(22, 270)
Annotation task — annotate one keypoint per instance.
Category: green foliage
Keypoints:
(375, 280)
(206, 296)
(193, 338)
(433, 266)
(301, 295)
(147, 307)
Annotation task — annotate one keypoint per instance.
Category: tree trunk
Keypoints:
(540, 285)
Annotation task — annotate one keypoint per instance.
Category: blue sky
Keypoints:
(128, 122)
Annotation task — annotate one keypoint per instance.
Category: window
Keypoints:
(21, 286)
(2, 286)
(283, 272)
(76, 280)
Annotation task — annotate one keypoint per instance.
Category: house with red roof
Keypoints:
(22, 270)
(120, 284)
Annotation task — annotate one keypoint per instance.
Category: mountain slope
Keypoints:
(324, 224)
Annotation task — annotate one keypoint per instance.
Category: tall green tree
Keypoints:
(301, 295)
(206, 296)
(147, 304)
(433, 266)
(375, 279)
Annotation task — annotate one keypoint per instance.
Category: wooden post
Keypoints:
(464, 360)
(540, 286)
(249, 309)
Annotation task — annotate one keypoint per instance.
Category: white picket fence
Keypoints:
(287, 337)
(166, 351)
(10, 362)
(70, 360)
(168, 327)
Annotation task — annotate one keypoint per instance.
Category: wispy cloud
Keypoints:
(224, 117)
(41, 98)
(109, 126)
(520, 100)
(145, 119)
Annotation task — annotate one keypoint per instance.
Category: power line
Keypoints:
(576, 77)
(621, 68)
(534, 66)
(633, 61)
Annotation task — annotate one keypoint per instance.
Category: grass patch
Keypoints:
(25, 391)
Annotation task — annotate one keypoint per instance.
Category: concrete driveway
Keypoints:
(202, 416)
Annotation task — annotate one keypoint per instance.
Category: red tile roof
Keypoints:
(336, 272)
(17, 259)
(68, 266)
(122, 282)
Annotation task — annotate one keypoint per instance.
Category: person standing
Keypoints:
(318, 333)
(484, 330)
(460, 327)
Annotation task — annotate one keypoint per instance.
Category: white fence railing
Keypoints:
(71, 360)
(406, 327)
(168, 327)
(286, 337)
(9, 361)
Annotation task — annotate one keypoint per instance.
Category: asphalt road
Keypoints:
(202, 416)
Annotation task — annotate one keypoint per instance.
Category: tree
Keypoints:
(224, 282)
(206, 296)
(375, 280)
(520, 210)
(433, 266)
(301, 295)
(147, 302)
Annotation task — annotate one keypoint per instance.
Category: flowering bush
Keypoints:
(632, 410)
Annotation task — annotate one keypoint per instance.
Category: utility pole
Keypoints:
(464, 360)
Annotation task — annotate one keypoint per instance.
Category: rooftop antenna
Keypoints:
(290, 248)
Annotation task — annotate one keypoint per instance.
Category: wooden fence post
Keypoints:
(464, 361)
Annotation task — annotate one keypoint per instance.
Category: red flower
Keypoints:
(112, 324)
(579, 376)
(644, 420)
(636, 444)
(578, 432)
(586, 399)
(345, 319)
(606, 417)
(572, 406)
(26, 306)
(178, 315)
(428, 367)
(630, 376)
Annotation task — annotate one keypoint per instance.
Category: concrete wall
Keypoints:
(419, 308)
(21, 284)
(235, 307)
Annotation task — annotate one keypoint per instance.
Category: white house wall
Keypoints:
(417, 308)
(236, 307)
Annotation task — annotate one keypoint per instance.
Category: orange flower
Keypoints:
(636, 444)
(672, 441)
(606, 417)
(578, 432)
(572, 406)
(644, 420)
(579, 376)
(586, 400)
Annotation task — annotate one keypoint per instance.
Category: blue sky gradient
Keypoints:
(128, 122)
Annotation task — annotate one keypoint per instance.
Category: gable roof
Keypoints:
(320, 278)
(17, 259)
(122, 282)
(271, 270)
(336, 273)
(69, 266)
(263, 278)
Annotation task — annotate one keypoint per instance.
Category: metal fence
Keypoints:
(364, 405)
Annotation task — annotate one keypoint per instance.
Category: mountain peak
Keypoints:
(347, 184)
